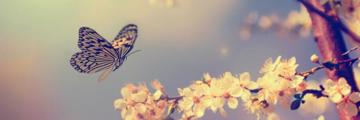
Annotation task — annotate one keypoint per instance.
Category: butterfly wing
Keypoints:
(88, 62)
(96, 53)
(90, 40)
(125, 39)
(105, 74)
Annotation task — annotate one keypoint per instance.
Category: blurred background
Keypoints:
(179, 43)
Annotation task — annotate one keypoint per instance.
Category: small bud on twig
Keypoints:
(314, 58)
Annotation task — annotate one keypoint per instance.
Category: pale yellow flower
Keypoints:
(157, 95)
(271, 86)
(135, 93)
(233, 103)
(186, 103)
(314, 58)
(278, 74)
(214, 93)
(138, 103)
(207, 77)
(245, 81)
(275, 89)
(337, 90)
(287, 67)
(241, 87)
(348, 105)
(220, 90)
(217, 103)
(119, 104)
(278, 82)
(188, 115)
(159, 89)
(271, 81)
(194, 100)
(270, 66)
(258, 106)
(269, 95)
(298, 83)
(278, 79)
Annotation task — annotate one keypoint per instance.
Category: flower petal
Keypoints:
(351, 109)
(336, 97)
(199, 111)
(157, 95)
(236, 91)
(355, 97)
(140, 96)
(186, 103)
(232, 103)
(245, 76)
(119, 104)
(157, 85)
(252, 85)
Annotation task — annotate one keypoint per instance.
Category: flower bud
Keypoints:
(314, 58)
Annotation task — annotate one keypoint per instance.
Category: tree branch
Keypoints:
(330, 42)
(333, 19)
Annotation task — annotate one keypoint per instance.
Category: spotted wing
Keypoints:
(91, 41)
(88, 62)
(96, 53)
(127, 37)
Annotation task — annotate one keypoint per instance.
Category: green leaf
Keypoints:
(295, 104)
(297, 96)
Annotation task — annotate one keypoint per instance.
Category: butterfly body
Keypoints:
(97, 54)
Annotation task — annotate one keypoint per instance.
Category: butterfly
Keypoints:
(97, 54)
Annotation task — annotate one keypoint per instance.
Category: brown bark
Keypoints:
(331, 44)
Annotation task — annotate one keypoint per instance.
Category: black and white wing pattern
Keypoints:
(87, 62)
(90, 40)
(96, 53)
(125, 39)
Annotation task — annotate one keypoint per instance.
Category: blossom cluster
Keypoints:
(340, 93)
(213, 93)
(299, 22)
(279, 83)
(139, 103)
(296, 23)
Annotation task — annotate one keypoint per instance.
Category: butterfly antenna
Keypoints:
(133, 53)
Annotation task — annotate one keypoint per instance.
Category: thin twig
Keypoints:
(316, 93)
(310, 72)
(307, 73)
(351, 50)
